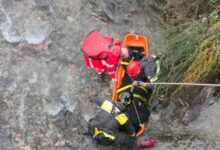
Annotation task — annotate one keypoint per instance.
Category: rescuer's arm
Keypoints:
(129, 129)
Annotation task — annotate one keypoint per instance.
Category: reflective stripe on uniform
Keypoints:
(124, 63)
(124, 88)
(107, 106)
(97, 132)
(144, 89)
(141, 98)
(132, 135)
(106, 64)
(90, 63)
(122, 119)
(129, 86)
(110, 73)
(155, 78)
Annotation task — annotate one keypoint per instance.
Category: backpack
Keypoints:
(97, 46)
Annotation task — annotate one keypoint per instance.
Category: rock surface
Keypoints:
(44, 85)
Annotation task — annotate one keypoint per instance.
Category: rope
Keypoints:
(135, 108)
(137, 113)
(186, 84)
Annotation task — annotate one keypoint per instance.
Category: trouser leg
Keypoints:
(124, 139)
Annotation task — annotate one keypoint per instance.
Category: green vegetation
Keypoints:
(193, 49)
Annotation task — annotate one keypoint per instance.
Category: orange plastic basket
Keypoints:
(135, 40)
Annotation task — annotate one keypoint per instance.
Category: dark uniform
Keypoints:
(111, 126)
(141, 94)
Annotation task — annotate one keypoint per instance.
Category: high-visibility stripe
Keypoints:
(90, 62)
(99, 71)
(155, 78)
(132, 135)
(110, 73)
(140, 97)
(129, 86)
(124, 88)
(144, 89)
(124, 63)
(106, 64)
(122, 119)
(107, 106)
(97, 132)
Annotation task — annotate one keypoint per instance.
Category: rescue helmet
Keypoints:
(126, 98)
(134, 68)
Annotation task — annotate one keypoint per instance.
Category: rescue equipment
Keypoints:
(97, 46)
(147, 143)
(136, 44)
(134, 68)
(126, 98)
(138, 47)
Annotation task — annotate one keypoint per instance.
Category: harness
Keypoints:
(143, 88)
(138, 96)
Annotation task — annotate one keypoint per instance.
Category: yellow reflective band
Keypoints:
(158, 66)
(155, 78)
(128, 102)
(124, 63)
(144, 89)
(124, 88)
(107, 106)
(132, 135)
(121, 118)
(97, 132)
(140, 97)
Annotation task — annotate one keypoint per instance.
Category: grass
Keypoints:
(192, 55)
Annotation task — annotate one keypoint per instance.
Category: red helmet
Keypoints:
(134, 68)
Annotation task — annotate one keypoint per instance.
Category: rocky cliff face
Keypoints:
(44, 84)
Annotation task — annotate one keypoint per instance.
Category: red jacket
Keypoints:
(108, 64)
(96, 44)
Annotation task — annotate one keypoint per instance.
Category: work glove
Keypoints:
(156, 57)
(147, 143)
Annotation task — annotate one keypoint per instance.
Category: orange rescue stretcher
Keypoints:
(130, 41)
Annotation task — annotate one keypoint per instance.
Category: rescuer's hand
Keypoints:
(137, 83)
